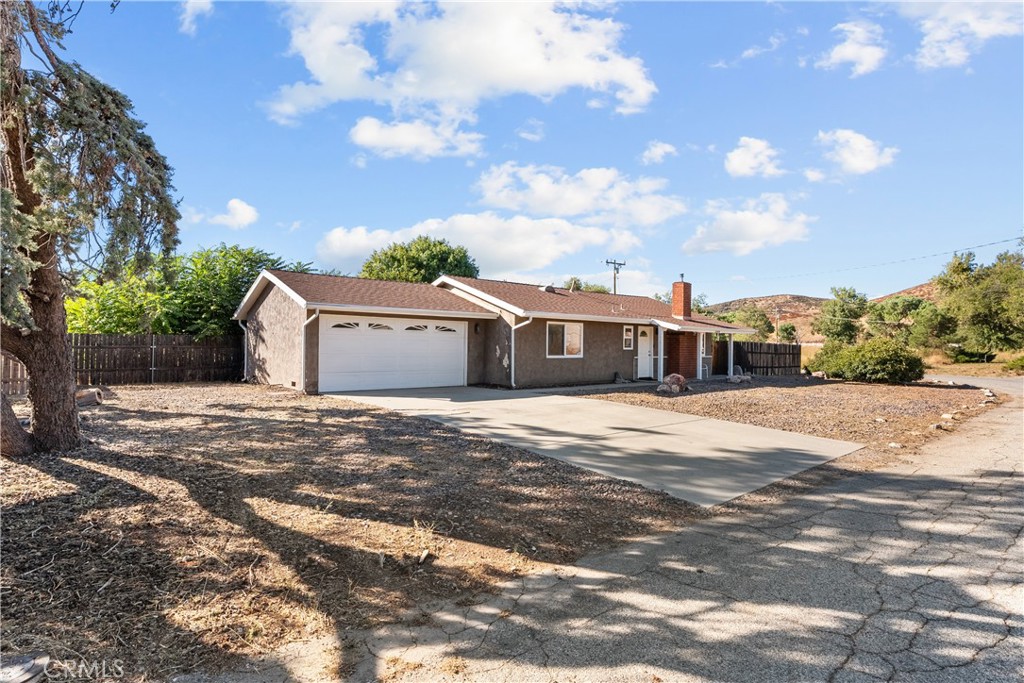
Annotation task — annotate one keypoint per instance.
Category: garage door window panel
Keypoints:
(565, 340)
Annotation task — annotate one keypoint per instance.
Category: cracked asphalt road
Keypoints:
(908, 573)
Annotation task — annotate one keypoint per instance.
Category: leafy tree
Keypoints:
(931, 328)
(787, 333)
(208, 285)
(698, 304)
(424, 259)
(576, 284)
(840, 317)
(986, 301)
(82, 187)
(892, 318)
(753, 317)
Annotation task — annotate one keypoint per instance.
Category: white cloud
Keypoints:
(499, 244)
(862, 47)
(814, 175)
(602, 196)
(758, 223)
(532, 130)
(191, 10)
(657, 151)
(417, 139)
(753, 157)
(953, 31)
(774, 43)
(437, 63)
(238, 216)
(855, 153)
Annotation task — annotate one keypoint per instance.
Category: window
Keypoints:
(627, 338)
(345, 326)
(416, 328)
(443, 328)
(565, 340)
(379, 326)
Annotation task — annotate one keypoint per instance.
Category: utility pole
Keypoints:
(615, 273)
(778, 336)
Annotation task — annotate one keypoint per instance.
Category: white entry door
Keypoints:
(645, 352)
(362, 353)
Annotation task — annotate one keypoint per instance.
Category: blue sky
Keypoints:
(759, 148)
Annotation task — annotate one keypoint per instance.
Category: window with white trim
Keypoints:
(565, 340)
(627, 337)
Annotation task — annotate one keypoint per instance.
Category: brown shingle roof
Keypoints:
(334, 290)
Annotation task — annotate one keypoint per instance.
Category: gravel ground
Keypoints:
(207, 523)
(872, 414)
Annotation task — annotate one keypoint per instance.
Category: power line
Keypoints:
(873, 265)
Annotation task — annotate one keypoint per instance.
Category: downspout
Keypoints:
(245, 351)
(661, 353)
(302, 356)
(514, 328)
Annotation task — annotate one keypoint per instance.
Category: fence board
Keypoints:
(763, 358)
(140, 359)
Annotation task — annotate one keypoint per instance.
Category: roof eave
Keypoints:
(392, 310)
(483, 296)
(262, 280)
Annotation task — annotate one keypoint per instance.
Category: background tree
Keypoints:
(576, 284)
(424, 259)
(199, 297)
(840, 317)
(698, 304)
(787, 333)
(892, 318)
(83, 188)
(986, 301)
(753, 317)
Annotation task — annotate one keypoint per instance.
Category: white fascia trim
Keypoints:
(341, 308)
(675, 327)
(483, 296)
(586, 318)
(258, 286)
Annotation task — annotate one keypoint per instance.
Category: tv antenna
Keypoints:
(615, 273)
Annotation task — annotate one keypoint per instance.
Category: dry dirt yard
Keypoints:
(209, 523)
(205, 525)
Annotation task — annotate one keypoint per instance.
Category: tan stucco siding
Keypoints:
(603, 356)
(274, 340)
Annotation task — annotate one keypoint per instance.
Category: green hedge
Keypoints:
(876, 360)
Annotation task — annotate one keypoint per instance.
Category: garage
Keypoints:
(362, 352)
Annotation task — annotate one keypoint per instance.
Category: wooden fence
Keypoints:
(759, 358)
(140, 359)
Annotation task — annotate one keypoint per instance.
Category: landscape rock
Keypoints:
(894, 444)
(736, 379)
(819, 374)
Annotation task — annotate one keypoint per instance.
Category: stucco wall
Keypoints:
(274, 340)
(603, 356)
(681, 352)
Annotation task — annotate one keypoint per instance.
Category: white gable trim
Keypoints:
(493, 300)
(265, 278)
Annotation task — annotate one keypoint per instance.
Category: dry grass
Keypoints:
(209, 523)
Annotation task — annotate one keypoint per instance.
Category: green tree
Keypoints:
(82, 187)
(787, 333)
(131, 304)
(424, 259)
(986, 301)
(576, 284)
(698, 304)
(753, 317)
(931, 328)
(840, 317)
(892, 318)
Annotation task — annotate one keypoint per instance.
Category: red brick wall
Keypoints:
(681, 352)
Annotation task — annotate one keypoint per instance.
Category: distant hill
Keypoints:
(802, 310)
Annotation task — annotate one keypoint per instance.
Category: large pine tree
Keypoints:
(83, 188)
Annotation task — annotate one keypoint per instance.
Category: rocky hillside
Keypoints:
(801, 310)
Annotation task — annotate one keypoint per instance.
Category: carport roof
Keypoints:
(359, 295)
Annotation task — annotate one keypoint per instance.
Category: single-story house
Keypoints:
(324, 333)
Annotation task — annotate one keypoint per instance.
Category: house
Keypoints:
(324, 333)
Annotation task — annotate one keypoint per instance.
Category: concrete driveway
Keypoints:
(698, 459)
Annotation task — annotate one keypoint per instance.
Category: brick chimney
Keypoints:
(681, 297)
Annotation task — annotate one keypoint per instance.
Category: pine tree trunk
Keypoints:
(14, 441)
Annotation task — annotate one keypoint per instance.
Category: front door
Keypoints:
(645, 352)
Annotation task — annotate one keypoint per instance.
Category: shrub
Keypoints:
(1016, 366)
(828, 359)
(876, 360)
(958, 354)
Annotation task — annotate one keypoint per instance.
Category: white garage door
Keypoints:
(359, 353)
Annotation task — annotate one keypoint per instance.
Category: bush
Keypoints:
(958, 354)
(876, 360)
(1016, 366)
